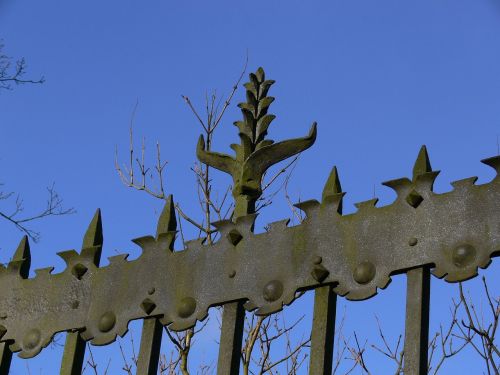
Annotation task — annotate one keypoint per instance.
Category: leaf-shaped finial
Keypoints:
(255, 154)
(167, 221)
(422, 164)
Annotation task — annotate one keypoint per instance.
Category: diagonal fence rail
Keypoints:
(450, 235)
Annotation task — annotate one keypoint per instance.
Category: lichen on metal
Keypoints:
(454, 232)
(255, 154)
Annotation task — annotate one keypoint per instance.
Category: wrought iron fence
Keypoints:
(449, 235)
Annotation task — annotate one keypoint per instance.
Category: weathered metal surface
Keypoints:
(233, 319)
(325, 302)
(457, 231)
(74, 354)
(22, 259)
(417, 321)
(152, 329)
(323, 331)
(254, 155)
(353, 255)
(149, 353)
(74, 348)
(417, 298)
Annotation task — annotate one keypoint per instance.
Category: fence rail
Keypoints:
(450, 235)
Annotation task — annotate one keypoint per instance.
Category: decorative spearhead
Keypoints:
(422, 164)
(255, 154)
(93, 238)
(333, 190)
(167, 221)
(23, 255)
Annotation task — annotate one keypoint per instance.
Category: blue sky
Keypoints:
(380, 78)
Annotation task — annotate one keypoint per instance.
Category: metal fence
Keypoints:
(449, 235)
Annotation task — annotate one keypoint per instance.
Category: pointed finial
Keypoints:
(167, 221)
(93, 235)
(333, 187)
(422, 164)
(23, 254)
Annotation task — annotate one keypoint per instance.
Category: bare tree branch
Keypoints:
(53, 207)
(13, 71)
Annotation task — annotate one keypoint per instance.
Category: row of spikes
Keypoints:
(93, 238)
(423, 175)
(332, 193)
(333, 189)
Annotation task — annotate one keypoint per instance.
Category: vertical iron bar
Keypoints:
(74, 354)
(5, 358)
(149, 353)
(152, 329)
(233, 319)
(233, 316)
(325, 301)
(323, 331)
(23, 254)
(418, 283)
(417, 321)
(74, 347)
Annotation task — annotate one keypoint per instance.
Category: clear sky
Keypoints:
(381, 78)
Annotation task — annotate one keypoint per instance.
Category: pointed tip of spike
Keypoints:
(167, 221)
(93, 235)
(422, 164)
(332, 185)
(23, 250)
(23, 254)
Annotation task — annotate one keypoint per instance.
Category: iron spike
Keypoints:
(332, 185)
(333, 189)
(23, 254)
(167, 221)
(93, 240)
(93, 235)
(422, 164)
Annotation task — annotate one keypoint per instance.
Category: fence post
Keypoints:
(74, 347)
(325, 301)
(22, 255)
(152, 329)
(417, 300)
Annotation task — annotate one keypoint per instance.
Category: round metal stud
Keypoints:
(317, 259)
(364, 272)
(32, 339)
(463, 255)
(272, 290)
(186, 307)
(107, 321)
(232, 274)
(412, 241)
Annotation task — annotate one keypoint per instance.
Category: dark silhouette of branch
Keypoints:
(12, 72)
(54, 207)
